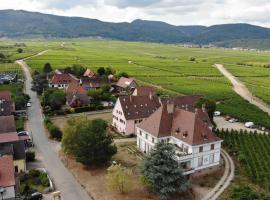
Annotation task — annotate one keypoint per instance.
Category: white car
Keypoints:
(249, 124)
(233, 120)
(28, 104)
(217, 113)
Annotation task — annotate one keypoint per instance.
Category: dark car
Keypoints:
(36, 196)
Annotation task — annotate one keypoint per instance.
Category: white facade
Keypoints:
(191, 158)
(9, 193)
(59, 86)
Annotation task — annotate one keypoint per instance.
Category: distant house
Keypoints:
(197, 147)
(77, 95)
(89, 73)
(94, 83)
(8, 77)
(131, 110)
(62, 80)
(11, 144)
(144, 90)
(7, 178)
(7, 107)
(125, 85)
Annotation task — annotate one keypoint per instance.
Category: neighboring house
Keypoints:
(197, 147)
(7, 178)
(8, 77)
(77, 96)
(130, 110)
(125, 85)
(11, 144)
(94, 83)
(7, 107)
(144, 90)
(89, 73)
(62, 80)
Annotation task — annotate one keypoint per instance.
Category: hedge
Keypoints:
(30, 156)
(54, 131)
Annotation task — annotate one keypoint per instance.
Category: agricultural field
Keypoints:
(251, 154)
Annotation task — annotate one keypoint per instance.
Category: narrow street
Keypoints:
(62, 178)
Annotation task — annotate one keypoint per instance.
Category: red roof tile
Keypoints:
(7, 124)
(63, 79)
(75, 88)
(9, 137)
(144, 90)
(5, 95)
(7, 177)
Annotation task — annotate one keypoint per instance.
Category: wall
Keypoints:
(21, 165)
(9, 193)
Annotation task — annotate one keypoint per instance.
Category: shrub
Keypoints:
(30, 156)
(54, 131)
(43, 178)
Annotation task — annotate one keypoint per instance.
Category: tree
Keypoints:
(162, 173)
(47, 68)
(2, 56)
(40, 83)
(55, 98)
(109, 71)
(119, 178)
(101, 71)
(77, 70)
(209, 105)
(122, 74)
(19, 50)
(20, 100)
(88, 141)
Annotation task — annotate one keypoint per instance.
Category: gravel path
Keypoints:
(242, 90)
(225, 180)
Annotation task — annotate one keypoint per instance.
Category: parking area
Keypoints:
(223, 124)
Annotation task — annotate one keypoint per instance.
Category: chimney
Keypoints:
(203, 108)
(170, 108)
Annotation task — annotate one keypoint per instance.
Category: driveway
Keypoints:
(62, 178)
(242, 90)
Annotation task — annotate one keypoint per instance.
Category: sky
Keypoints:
(177, 12)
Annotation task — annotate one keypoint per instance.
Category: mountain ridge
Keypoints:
(20, 23)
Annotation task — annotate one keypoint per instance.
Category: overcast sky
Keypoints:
(178, 12)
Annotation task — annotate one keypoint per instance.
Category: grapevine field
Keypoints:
(252, 152)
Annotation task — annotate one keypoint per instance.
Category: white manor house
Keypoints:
(190, 130)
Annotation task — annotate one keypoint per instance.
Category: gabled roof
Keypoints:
(7, 177)
(9, 137)
(94, 82)
(5, 95)
(124, 82)
(192, 127)
(184, 102)
(7, 124)
(63, 79)
(75, 88)
(137, 107)
(144, 90)
(6, 108)
(89, 73)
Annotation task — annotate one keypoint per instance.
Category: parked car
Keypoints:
(227, 117)
(217, 113)
(249, 124)
(36, 196)
(29, 104)
(232, 120)
(23, 133)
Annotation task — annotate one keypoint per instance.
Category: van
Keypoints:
(249, 124)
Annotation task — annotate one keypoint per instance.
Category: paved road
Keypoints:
(62, 178)
(242, 90)
(225, 180)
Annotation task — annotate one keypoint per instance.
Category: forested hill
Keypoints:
(17, 23)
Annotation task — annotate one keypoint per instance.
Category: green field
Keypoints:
(251, 154)
(167, 66)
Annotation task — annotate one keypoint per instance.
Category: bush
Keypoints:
(54, 131)
(30, 156)
(19, 124)
(43, 177)
(85, 109)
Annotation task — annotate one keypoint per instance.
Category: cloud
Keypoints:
(178, 12)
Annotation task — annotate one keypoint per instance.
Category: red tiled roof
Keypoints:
(24, 137)
(144, 90)
(63, 79)
(7, 177)
(124, 82)
(9, 137)
(5, 95)
(137, 107)
(94, 82)
(75, 88)
(7, 124)
(192, 127)
(89, 73)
